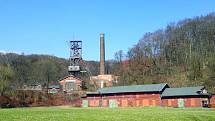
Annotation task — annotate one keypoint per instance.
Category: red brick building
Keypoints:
(185, 97)
(126, 96)
(70, 84)
(212, 99)
(147, 95)
(105, 80)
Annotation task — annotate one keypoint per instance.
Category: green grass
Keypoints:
(107, 114)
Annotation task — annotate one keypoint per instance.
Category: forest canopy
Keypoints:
(181, 54)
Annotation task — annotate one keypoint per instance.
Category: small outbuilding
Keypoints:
(53, 89)
(31, 86)
(185, 97)
(71, 84)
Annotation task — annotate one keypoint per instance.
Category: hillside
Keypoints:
(28, 69)
(181, 54)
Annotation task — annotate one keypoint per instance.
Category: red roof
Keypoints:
(70, 77)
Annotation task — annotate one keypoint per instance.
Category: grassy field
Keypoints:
(106, 114)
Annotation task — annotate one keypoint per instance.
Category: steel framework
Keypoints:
(75, 57)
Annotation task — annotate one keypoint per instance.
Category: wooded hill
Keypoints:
(17, 70)
(181, 54)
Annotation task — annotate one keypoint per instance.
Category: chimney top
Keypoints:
(102, 34)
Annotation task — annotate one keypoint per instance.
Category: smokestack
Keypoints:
(102, 54)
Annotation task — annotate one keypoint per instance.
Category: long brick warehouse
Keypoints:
(147, 95)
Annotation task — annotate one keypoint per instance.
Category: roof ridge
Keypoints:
(185, 87)
(182, 91)
(133, 88)
(70, 76)
(132, 85)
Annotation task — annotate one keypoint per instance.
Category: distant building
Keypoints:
(212, 99)
(103, 80)
(147, 95)
(53, 89)
(31, 86)
(70, 84)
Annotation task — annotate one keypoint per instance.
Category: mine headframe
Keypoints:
(75, 57)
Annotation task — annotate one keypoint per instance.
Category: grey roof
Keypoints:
(54, 86)
(92, 93)
(132, 88)
(184, 91)
(32, 83)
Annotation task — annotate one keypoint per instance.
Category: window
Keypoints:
(204, 103)
(70, 86)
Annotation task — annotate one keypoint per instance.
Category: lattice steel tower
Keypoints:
(75, 57)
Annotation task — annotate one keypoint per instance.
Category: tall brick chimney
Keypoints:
(102, 54)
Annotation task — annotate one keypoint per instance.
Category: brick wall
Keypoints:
(126, 100)
(188, 102)
(212, 99)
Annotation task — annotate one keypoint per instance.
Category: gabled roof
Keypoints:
(70, 76)
(54, 86)
(32, 83)
(63, 80)
(133, 88)
(184, 91)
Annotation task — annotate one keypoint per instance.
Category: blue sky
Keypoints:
(46, 26)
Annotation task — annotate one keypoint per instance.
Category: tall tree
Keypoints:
(6, 79)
